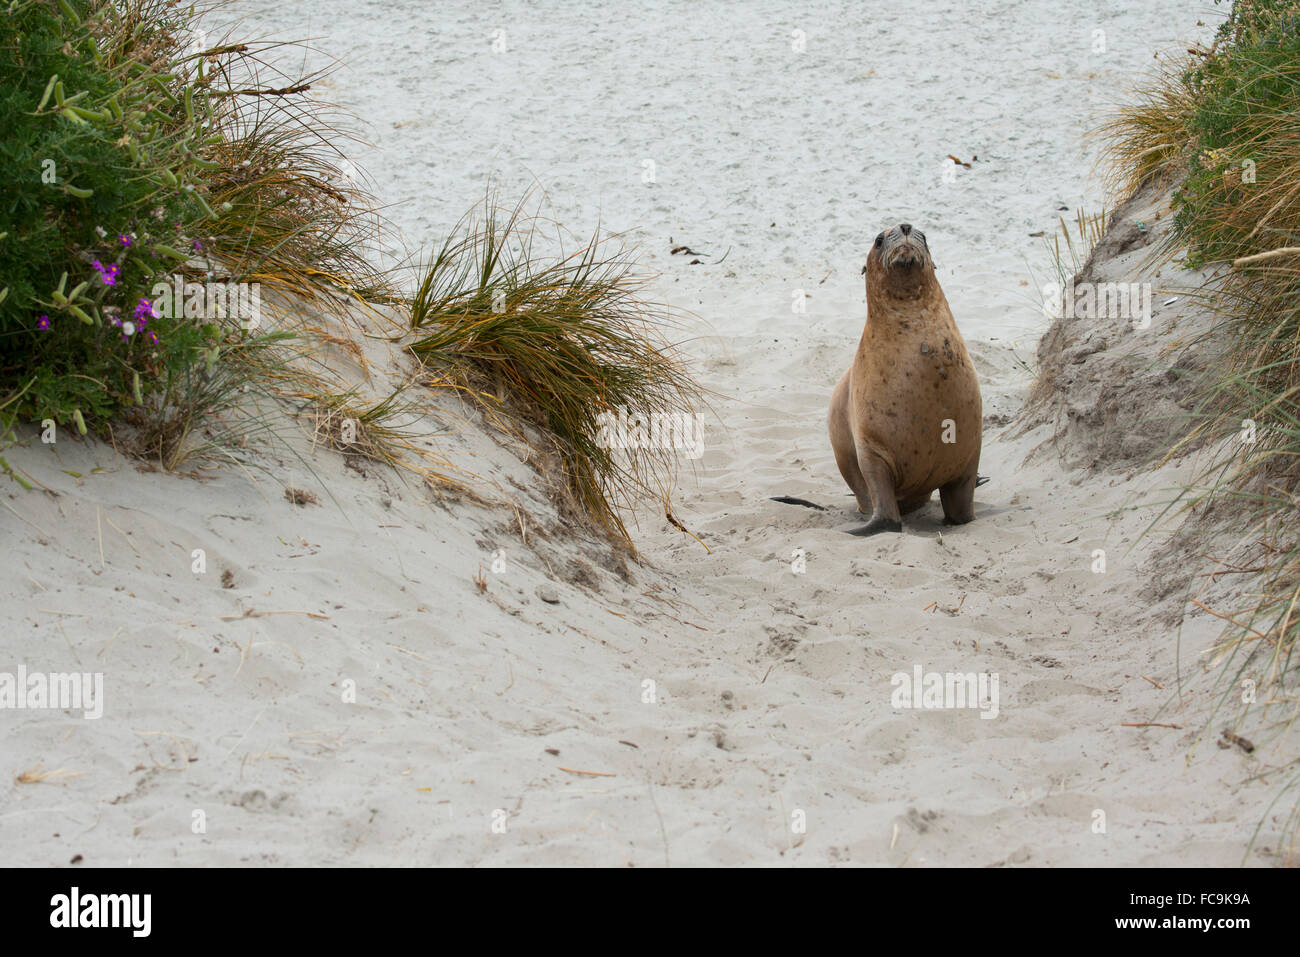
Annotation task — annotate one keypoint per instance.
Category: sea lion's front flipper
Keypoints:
(980, 480)
(879, 480)
(875, 526)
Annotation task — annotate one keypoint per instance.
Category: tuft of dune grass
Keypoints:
(551, 341)
(1147, 139)
(383, 430)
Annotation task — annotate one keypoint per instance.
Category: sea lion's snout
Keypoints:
(905, 256)
(901, 258)
(903, 247)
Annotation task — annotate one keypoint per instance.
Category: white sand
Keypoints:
(772, 689)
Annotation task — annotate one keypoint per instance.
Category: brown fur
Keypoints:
(911, 372)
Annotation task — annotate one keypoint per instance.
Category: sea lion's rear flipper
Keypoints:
(980, 480)
(787, 500)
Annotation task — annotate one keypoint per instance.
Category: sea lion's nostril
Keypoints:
(906, 228)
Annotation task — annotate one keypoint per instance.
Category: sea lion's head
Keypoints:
(899, 264)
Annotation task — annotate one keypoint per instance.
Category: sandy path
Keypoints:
(811, 656)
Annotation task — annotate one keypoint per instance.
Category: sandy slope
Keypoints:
(772, 693)
(772, 688)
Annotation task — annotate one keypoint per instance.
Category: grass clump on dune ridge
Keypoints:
(557, 343)
(1226, 126)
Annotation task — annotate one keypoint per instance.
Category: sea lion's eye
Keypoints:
(880, 240)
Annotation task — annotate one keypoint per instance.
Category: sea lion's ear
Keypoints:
(864, 269)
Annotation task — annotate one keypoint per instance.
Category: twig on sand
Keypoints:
(245, 734)
(663, 832)
(1154, 682)
(124, 535)
(1232, 571)
(672, 520)
(590, 774)
(681, 621)
(34, 479)
(1233, 621)
(36, 775)
(21, 519)
(110, 641)
(523, 531)
(1150, 724)
(262, 614)
(71, 647)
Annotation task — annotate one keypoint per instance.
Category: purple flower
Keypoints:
(198, 246)
(43, 322)
(124, 239)
(107, 273)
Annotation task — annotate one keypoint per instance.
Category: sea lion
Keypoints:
(906, 418)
